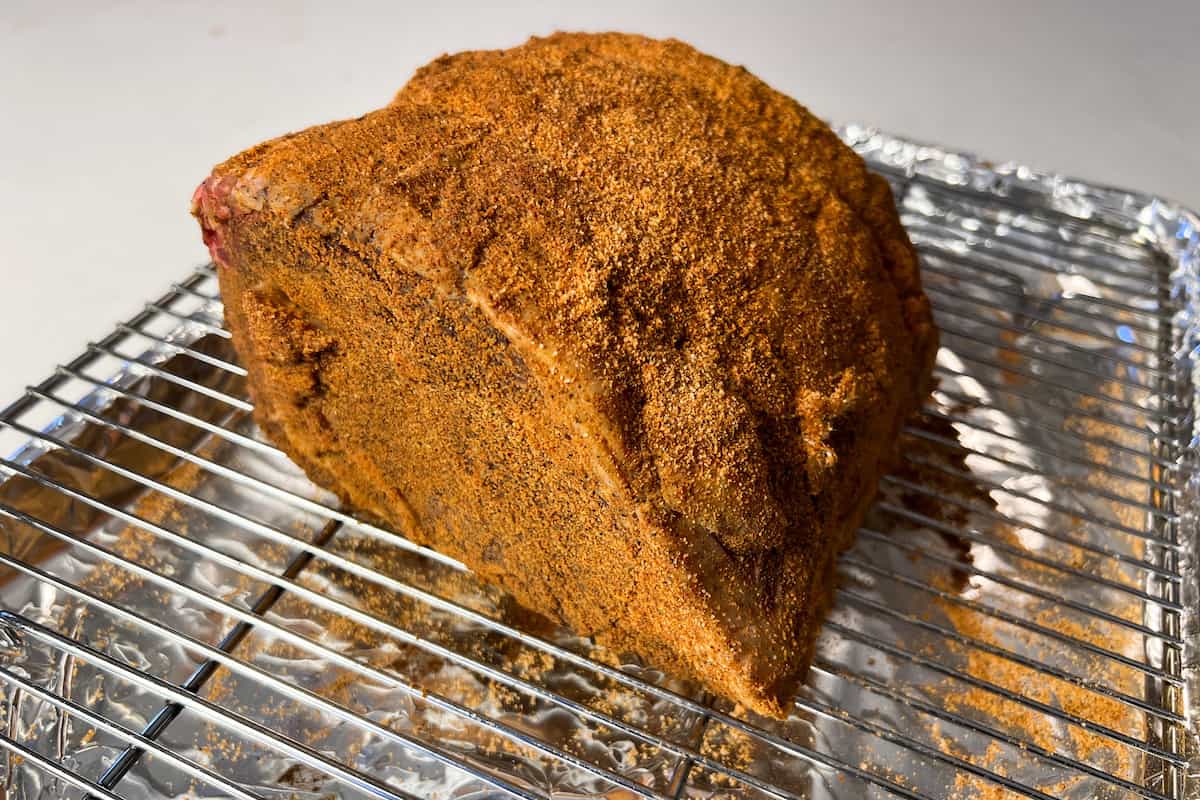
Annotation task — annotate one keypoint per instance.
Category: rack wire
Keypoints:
(185, 615)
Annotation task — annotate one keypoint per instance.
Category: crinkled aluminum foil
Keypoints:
(1029, 478)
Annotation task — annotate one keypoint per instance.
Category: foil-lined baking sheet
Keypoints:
(1015, 619)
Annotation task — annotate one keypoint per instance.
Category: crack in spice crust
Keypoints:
(610, 320)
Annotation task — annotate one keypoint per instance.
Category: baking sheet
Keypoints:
(997, 629)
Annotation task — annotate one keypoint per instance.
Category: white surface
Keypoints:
(111, 113)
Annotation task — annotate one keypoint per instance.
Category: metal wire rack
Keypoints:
(182, 614)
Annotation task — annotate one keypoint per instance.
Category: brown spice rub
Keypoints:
(610, 320)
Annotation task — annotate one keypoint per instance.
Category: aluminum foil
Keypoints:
(997, 628)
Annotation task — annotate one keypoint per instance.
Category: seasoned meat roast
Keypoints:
(613, 322)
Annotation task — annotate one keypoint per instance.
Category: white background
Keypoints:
(111, 113)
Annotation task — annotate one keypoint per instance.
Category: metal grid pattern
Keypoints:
(186, 616)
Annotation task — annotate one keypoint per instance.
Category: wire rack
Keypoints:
(182, 614)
